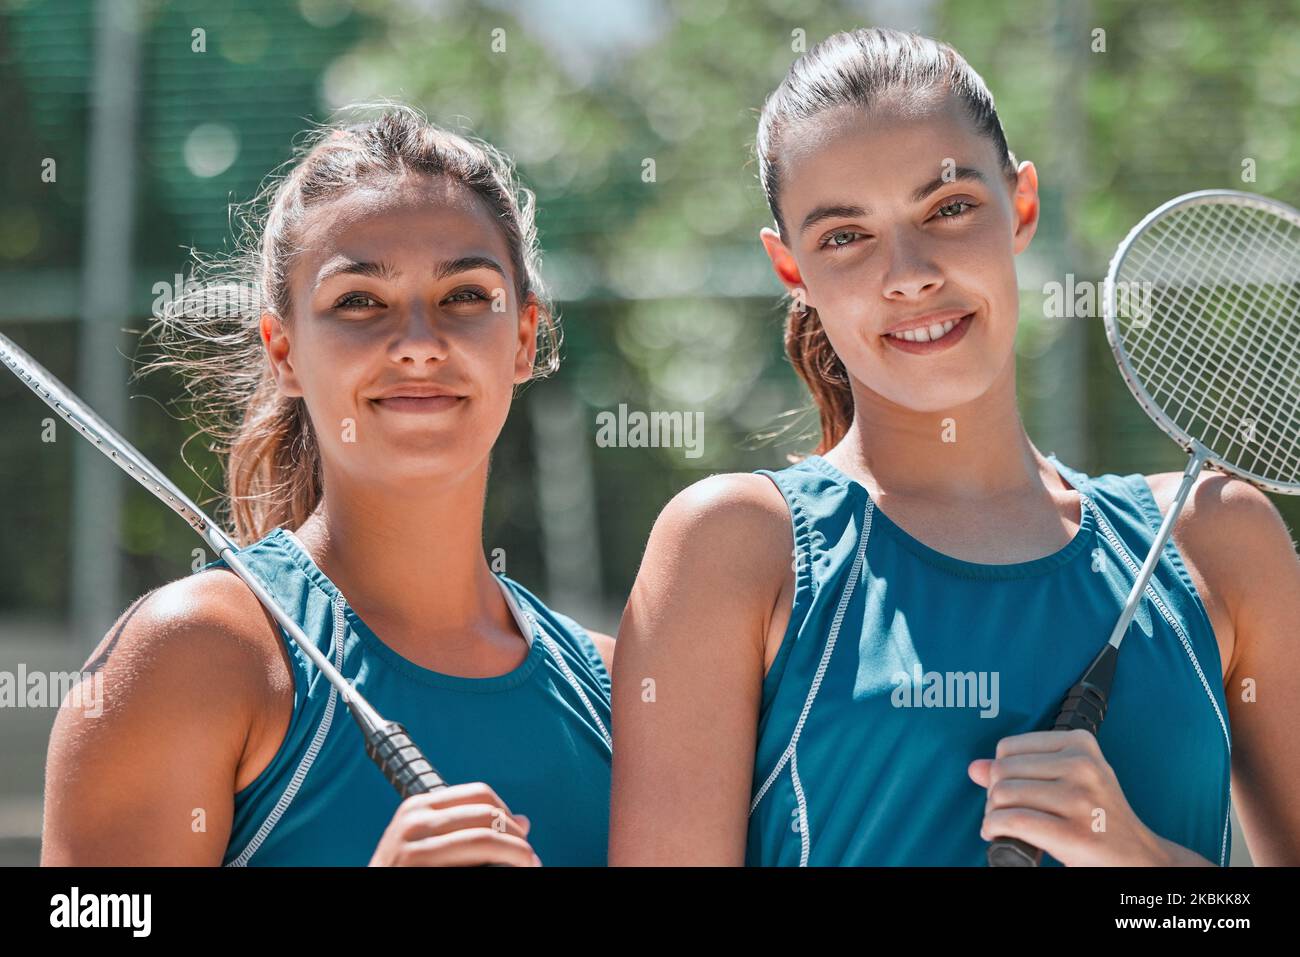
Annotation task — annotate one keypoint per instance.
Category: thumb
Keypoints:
(979, 771)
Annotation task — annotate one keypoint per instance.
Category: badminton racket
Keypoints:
(1202, 310)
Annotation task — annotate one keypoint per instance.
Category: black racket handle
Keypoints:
(402, 762)
(1084, 707)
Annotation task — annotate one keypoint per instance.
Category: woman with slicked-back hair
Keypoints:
(357, 396)
(853, 660)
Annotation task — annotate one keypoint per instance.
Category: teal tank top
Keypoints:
(902, 664)
(537, 735)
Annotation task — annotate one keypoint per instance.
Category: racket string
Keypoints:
(1214, 342)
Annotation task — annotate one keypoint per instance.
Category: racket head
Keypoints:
(1202, 311)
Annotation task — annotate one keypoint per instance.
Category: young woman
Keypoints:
(852, 660)
(402, 306)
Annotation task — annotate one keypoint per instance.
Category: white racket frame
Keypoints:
(1201, 455)
(1110, 312)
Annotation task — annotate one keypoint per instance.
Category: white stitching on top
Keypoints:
(805, 843)
(291, 790)
(569, 676)
(1151, 593)
(788, 755)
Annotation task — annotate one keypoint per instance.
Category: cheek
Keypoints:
(849, 306)
(332, 369)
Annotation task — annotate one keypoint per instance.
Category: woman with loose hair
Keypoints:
(852, 660)
(355, 364)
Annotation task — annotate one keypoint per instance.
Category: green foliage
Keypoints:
(665, 293)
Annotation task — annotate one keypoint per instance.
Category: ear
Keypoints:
(529, 318)
(276, 342)
(1025, 207)
(783, 264)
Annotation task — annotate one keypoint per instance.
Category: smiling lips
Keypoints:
(418, 397)
(411, 403)
(931, 333)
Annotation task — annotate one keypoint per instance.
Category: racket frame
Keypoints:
(1110, 316)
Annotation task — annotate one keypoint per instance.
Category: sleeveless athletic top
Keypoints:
(902, 664)
(537, 735)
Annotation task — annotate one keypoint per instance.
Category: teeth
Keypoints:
(927, 333)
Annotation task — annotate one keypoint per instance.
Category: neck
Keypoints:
(975, 451)
(409, 558)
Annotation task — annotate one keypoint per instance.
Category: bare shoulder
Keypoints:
(733, 504)
(729, 536)
(1223, 517)
(211, 617)
(178, 696)
(605, 645)
(1229, 534)
(202, 649)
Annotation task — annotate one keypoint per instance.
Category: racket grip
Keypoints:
(1084, 707)
(402, 762)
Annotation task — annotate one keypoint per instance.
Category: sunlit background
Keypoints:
(665, 295)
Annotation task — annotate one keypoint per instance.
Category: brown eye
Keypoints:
(955, 205)
(467, 295)
(349, 301)
(839, 239)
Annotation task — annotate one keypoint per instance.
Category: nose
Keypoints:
(418, 338)
(910, 270)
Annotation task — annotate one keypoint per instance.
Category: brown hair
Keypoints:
(856, 68)
(210, 334)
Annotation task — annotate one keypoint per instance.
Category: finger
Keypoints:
(1036, 742)
(1039, 828)
(430, 822)
(1036, 766)
(466, 848)
(1054, 797)
(475, 792)
(979, 771)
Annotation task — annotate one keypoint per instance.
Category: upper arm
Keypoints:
(1241, 534)
(144, 753)
(688, 677)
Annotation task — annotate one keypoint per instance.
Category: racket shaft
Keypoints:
(387, 742)
(1194, 465)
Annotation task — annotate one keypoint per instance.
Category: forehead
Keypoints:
(884, 151)
(429, 217)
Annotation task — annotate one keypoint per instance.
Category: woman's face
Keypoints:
(403, 287)
(900, 215)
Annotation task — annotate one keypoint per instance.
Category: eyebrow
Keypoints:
(386, 271)
(846, 210)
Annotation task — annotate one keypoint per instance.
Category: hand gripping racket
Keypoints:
(387, 742)
(1202, 310)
